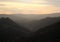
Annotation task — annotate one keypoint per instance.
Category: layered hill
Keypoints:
(9, 30)
(50, 33)
(32, 22)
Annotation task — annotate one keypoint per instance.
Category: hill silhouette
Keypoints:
(40, 30)
(44, 22)
(50, 33)
(30, 21)
(10, 31)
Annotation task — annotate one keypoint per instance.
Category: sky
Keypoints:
(29, 6)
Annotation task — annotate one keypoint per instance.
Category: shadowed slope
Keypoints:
(49, 33)
(9, 30)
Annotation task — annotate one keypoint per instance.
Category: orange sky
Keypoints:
(27, 8)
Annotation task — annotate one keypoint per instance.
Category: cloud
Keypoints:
(27, 1)
(30, 6)
(2, 5)
(5, 0)
(49, 2)
(24, 8)
(9, 0)
(54, 2)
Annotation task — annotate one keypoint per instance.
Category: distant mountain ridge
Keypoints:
(32, 21)
(30, 28)
(46, 21)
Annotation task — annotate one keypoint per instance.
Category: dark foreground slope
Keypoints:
(49, 33)
(11, 32)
